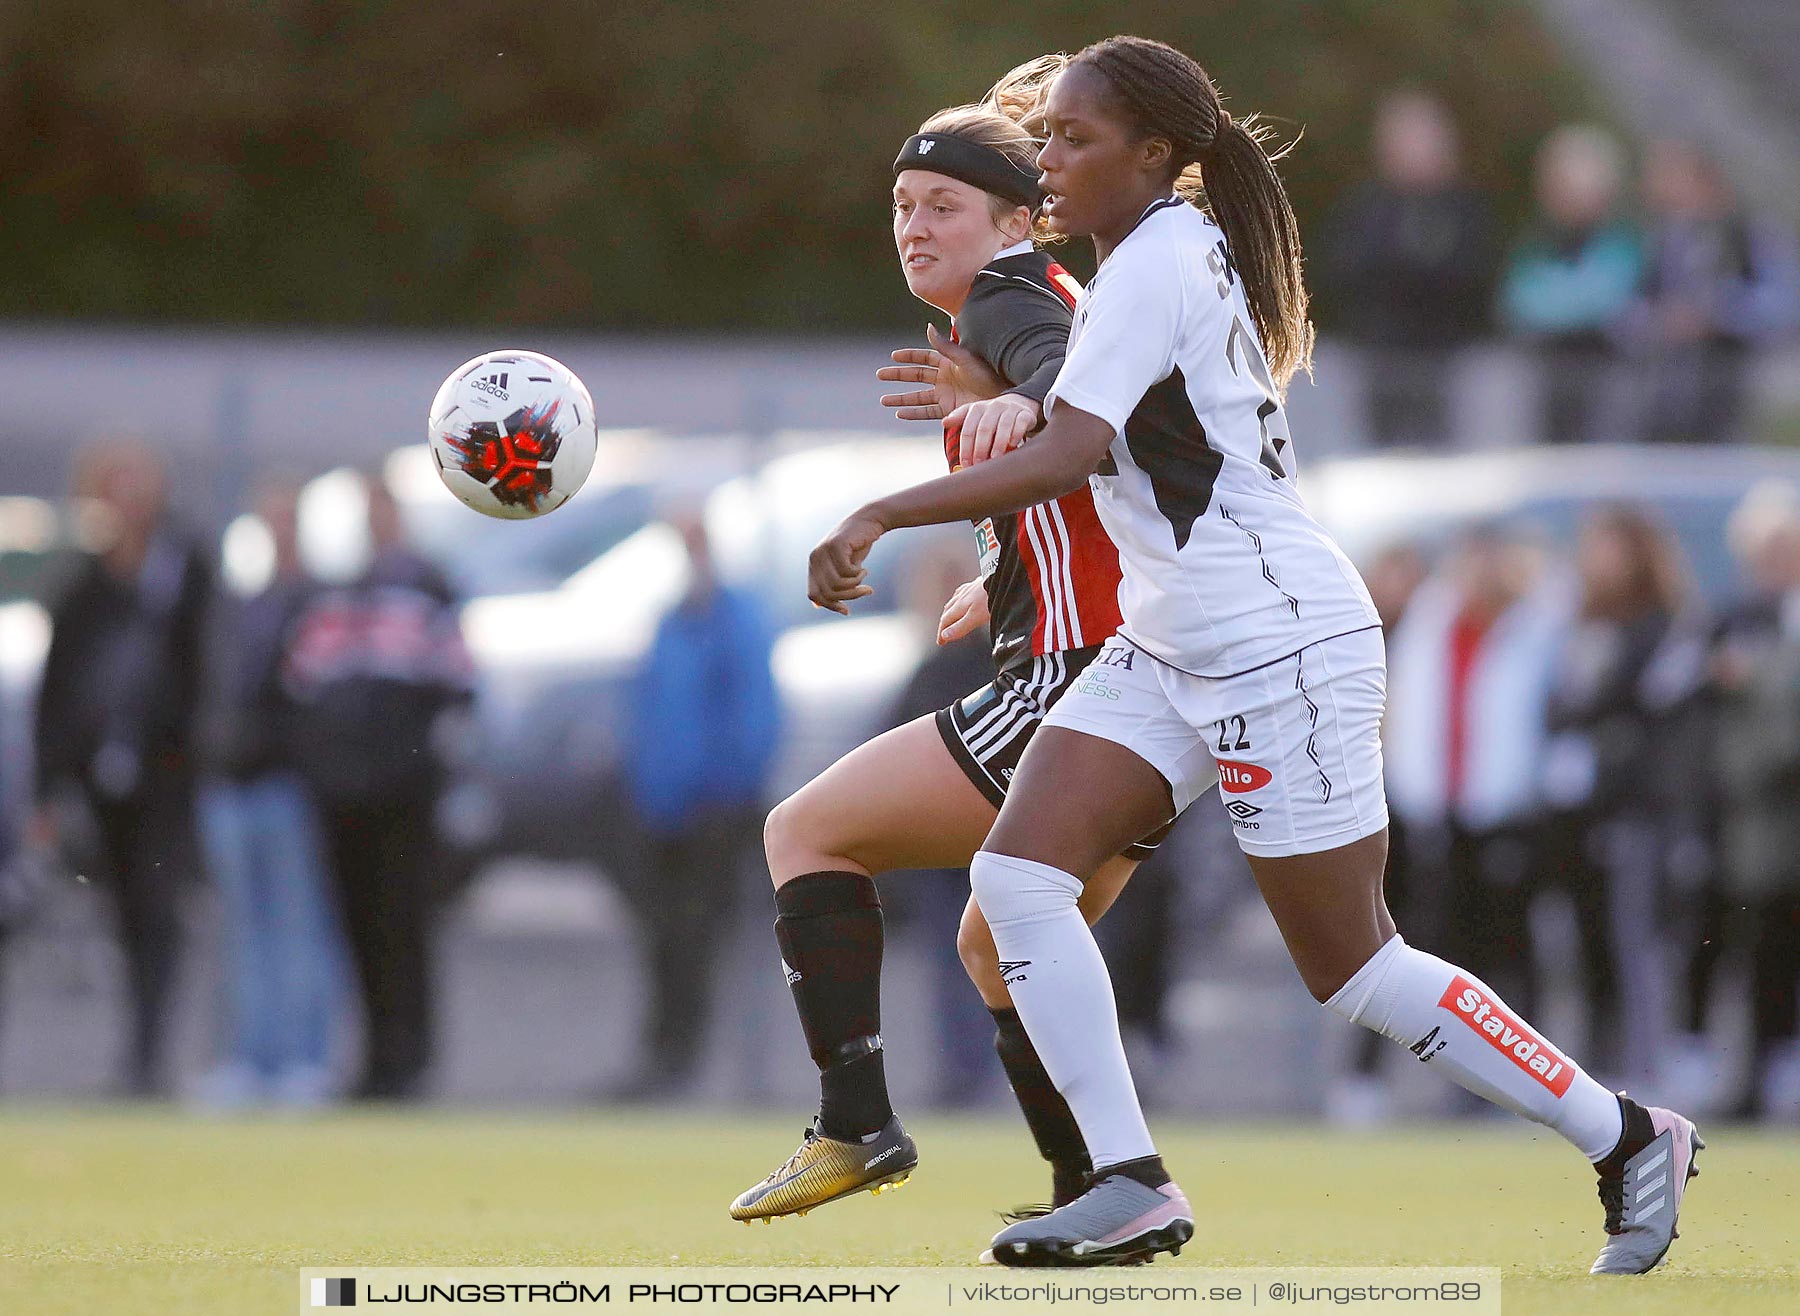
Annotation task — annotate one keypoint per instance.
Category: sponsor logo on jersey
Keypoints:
(1507, 1035)
(1236, 778)
(987, 546)
(1116, 656)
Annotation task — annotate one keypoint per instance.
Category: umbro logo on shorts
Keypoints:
(1242, 810)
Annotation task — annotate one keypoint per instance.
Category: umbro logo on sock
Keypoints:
(1424, 1049)
(1009, 971)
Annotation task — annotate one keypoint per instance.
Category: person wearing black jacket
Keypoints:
(1406, 263)
(1754, 912)
(115, 727)
(1618, 771)
(373, 667)
(1719, 284)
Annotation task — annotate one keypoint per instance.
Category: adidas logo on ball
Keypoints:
(494, 385)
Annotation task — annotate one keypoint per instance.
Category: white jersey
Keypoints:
(1224, 569)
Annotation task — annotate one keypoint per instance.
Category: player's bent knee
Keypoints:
(1328, 972)
(980, 959)
(786, 839)
(975, 946)
(1009, 889)
(1367, 995)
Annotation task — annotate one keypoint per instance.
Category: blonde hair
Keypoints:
(1009, 119)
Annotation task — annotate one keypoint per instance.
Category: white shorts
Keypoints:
(1295, 745)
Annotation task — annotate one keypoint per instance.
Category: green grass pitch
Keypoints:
(120, 1211)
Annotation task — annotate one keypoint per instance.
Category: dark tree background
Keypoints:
(678, 165)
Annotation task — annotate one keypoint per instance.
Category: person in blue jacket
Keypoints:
(702, 731)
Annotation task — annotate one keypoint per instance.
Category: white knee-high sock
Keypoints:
(1064, 997)
(1457, 1023)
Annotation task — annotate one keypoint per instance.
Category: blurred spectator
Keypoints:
(1757, 669)
(264, 846)
(1408, 258)
(373, 667)
(1570, 279)
(1394, 576)
(932, 900)
(116, 722)
(705, 719)
(1139, 935)
(1469, 674)
(1621, 772)
(17, 893)
(1718, 284)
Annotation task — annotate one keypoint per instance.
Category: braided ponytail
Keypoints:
(1226, 169)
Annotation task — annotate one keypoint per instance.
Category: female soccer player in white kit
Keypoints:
(1248, 642)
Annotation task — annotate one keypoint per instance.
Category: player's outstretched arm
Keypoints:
(1051, 465)
(951, 373)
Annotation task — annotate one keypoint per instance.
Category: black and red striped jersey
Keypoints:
(1052, 573)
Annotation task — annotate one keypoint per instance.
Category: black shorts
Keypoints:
(987, 730)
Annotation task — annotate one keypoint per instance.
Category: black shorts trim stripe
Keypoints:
(988, 743)
(1022, 706)
(970, 765)
(1019, 699)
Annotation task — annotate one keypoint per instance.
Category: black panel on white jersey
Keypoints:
(1168, 443)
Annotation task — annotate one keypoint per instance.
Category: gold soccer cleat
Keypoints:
(824, 1169)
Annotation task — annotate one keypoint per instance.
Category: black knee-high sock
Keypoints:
(829, 928)
(1047, 1115)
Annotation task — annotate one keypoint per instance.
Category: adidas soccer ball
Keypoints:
(512, 433)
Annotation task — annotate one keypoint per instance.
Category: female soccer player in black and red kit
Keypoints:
(925, 794)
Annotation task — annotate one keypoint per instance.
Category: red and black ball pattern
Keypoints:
(511, 457)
